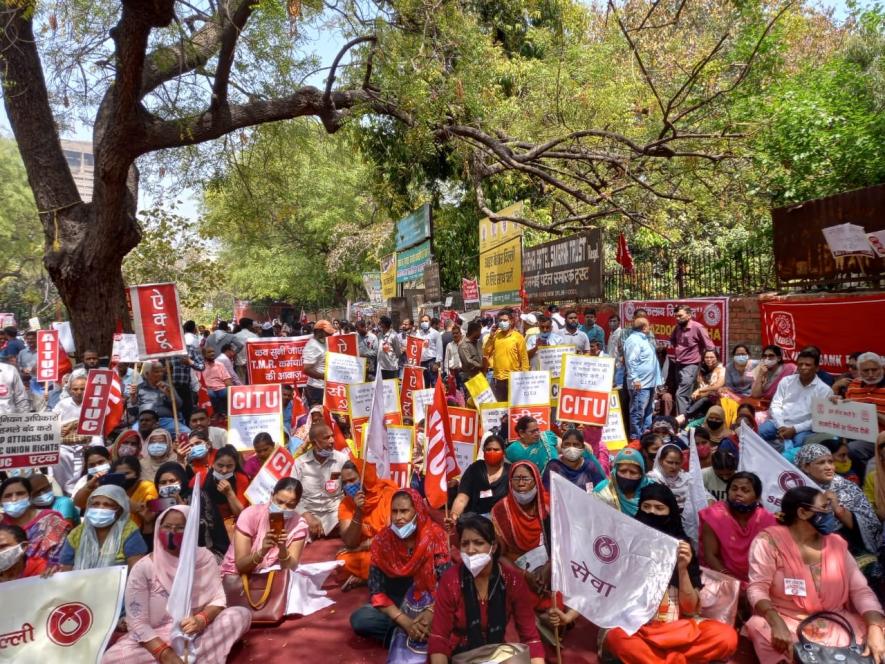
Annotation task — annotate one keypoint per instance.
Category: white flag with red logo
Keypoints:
(377, 451)
(441, 463)
(596, 553)
(777, 474)
(697, 494)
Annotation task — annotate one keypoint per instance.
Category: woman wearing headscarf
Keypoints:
(676, 630)
(668, 471)
(213, 628)
(621, 489)
(715, 423)
(522, 526)
(225, 487)
(128, 443)
(158, 450)
(407, 559)
(822, 575)
(363, 513)
(301, 435)
(857, 521)
(107, 536)
(477, 599)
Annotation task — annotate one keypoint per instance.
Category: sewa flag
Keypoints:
(68, 617)
(697, 494)
(777, 474)
(440, 461)
(596, 553)
(178, 605)
(377, 451)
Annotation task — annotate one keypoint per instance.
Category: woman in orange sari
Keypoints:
(363, 513)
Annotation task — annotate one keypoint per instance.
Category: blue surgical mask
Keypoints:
(425, 326)
(825, 522)
(352, 489)
(276, 509)
(102, 468)
(20, 472)
(45, 499)
(741, 359)
(15, 508)
(503, 325)
(321, 454)
(169, 490)
(545, 336)
(221, 476)
(198, 451)
(157, 450)
(404, 531)
(100, 517)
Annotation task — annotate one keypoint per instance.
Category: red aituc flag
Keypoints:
(440, 462)
(116, 405)
(623, 255)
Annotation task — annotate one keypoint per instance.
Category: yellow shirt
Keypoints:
(506, 353)
(144, 491)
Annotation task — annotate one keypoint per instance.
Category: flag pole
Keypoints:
(172, 395)
(558, 643)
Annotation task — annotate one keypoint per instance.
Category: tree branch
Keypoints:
(231, 34)
(330, 81)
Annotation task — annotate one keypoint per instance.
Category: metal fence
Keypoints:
(741, 272)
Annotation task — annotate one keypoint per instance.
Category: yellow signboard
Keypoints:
(500, 274)
(388, 276)
(493, 233)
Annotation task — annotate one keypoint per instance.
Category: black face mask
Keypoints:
(714, 424)
(656, 521)
(130, 482)
(627, 485)
(742, 508)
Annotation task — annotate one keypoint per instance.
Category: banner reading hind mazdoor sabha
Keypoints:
(500, 260)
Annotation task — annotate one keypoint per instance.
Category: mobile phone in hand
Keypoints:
(277, 520)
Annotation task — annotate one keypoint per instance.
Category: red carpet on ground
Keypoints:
(326, 638)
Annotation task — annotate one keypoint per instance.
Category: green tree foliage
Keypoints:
(25, 289)
(295, 215)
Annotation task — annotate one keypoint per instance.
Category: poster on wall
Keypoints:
(711, 312)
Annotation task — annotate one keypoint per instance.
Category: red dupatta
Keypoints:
(521, 531)
(390, 554)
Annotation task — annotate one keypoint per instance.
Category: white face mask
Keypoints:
(10, 556)
(425, 326)
(572, 453)
(525, 497)
(770, 362)
(477, 562)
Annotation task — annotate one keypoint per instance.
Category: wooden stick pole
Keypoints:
(172, 395)
(556, 632)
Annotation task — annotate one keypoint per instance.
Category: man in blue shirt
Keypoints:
(643, 376)
(13, 347)
(593, 331)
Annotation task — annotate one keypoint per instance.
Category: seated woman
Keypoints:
(668, 471)
(43, 497)
(522, 524)
(676, 633)
(856, 521)
(158, 450)
(575, 463)
(128, 443)
(532, 444)
(363, 513)
(15, 563)
(715, 423)
(46, 529)
(729, 526)
(256, 547)
(817, 564)
(264, 446)
(484, 482)
(97, 464)
(711, 379)
(213, 628)
(139, 491)
(770, 372)
(841, 461)
(649, 444)
(225, 486)
(478, 598)
(407, 559)
(740, 372)
(621, 489)
(107, 535)
(872, 488)
(171, 481)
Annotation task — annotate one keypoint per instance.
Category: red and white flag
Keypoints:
(377, 451)
(155, 317)
(116, 407)
(441, 462)
(48, 356)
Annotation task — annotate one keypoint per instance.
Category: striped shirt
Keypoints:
(874, 394)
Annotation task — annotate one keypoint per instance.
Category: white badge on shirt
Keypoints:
(794, 587)
(485, 494)
(331, 486)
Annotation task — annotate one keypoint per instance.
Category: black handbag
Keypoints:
(808, 652)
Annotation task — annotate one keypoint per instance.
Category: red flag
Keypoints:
(340, 440)
(623, 256)
(441, 464)
(298, 410)
(116, 405)
(64, 363)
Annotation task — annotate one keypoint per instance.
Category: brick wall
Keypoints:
(744, 324)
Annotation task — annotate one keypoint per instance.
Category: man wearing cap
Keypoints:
(314, 357)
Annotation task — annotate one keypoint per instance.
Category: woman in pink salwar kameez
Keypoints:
(214, 628)
(799, 568)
